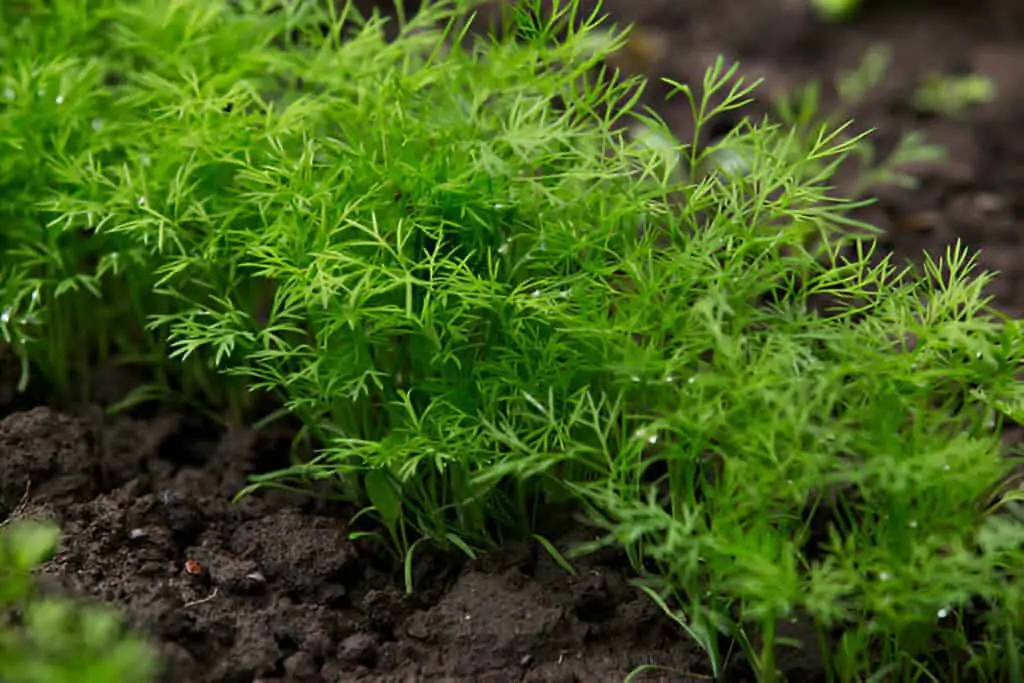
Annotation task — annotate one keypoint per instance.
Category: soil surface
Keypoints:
(270, 589)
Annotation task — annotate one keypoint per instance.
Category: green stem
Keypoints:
(767, 663)
(826, 655)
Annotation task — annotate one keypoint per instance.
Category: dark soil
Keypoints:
(282, 595)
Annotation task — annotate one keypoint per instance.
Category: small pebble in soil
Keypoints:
(152, 569)
(256, 578)
(253, 583)
(333, 595)
(301, 667)
(358, 648)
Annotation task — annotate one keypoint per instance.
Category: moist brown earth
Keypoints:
(277, 592)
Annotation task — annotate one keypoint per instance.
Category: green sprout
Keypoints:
(51, 639)
(836, 10)
(953, 96)
(801, 109)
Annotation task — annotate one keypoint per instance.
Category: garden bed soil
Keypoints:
(282, 595)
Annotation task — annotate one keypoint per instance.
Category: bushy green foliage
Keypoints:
(51, 639)
(836, 10)
(480, 291)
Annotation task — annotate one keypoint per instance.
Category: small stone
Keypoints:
(417, 629)
(248, 584)
(152, 569)
(333, 595)
(988, 202)
(358, 648)
(301, 667)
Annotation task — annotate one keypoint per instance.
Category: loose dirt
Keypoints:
(271, 589)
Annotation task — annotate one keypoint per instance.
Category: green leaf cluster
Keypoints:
(46, 639)
(486, 279)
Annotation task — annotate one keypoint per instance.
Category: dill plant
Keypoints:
(449, 257)
(51, 92)
(77, 292)
(389, 244)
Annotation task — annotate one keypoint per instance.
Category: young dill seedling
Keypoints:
(802, 110)
(55, 639)
(786, 461)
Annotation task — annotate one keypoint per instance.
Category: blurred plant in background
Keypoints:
(55, 640)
